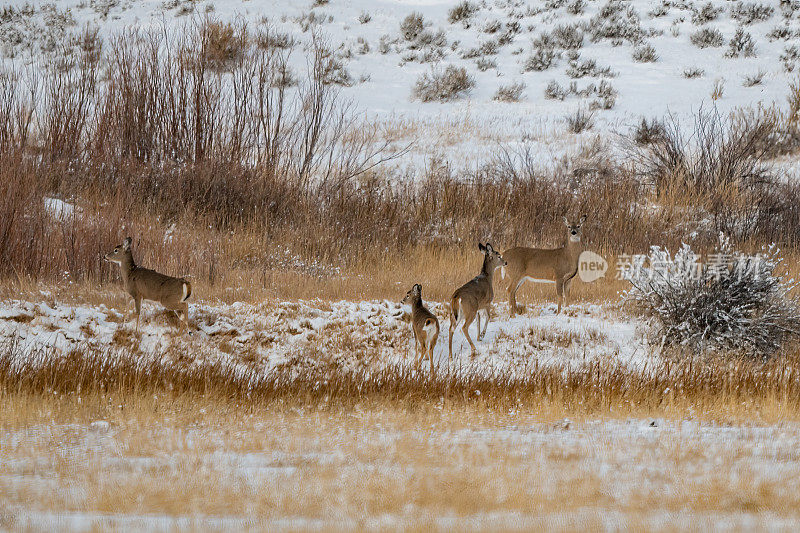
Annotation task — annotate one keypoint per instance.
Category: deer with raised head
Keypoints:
(424, 324)
(474, 297)
(542, 265)
(142, 283)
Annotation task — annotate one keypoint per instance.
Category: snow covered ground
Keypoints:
(621, 474)
(349, 334)
(495, 44)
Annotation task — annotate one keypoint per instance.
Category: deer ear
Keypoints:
(126, 244)
(566, 222)
(418, 288)
(582, 220)
(481, 247)
(489, 248)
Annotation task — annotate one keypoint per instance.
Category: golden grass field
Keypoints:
(191, 462)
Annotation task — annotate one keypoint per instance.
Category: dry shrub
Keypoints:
(730, 303)
(510, 93)
(223, 43)
(722, 166)
(444, 85)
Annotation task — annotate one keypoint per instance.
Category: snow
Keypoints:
(59, 209)
(468, 129)
(635, 460)
(279, 333)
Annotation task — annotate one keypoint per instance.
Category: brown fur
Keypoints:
(421, 320)
(558, 264)
(143, 283)
(474, 296)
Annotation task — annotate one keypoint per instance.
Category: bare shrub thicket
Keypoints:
(167, 136)
(722, 165)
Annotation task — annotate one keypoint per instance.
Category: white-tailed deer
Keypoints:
(473, 297)
(557, 265)
(142, 283)
(424, 324)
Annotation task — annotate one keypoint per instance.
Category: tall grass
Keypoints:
(596, 386)
(198, 131)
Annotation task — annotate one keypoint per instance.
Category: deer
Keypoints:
(424, 324)
(474, 297)
(541, 265)
(142, 283)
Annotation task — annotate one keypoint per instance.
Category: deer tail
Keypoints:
(187, 290)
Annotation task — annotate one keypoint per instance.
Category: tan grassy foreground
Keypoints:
(193, 462)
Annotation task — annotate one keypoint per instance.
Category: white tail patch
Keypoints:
(185, 291)
(429, 329)
(460, 316)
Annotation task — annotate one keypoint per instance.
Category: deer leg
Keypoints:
(567, 287)
(431, 346)
(485, 324)
(559, 293)
(465, 329)
(513, 287)
(185, 313)
(137, 302)
(478, 322)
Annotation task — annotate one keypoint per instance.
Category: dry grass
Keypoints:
(374, 464)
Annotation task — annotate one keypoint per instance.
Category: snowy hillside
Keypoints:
(622, 60)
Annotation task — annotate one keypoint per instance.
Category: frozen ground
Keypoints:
(308, 333)
(619, 475)
(383, 65)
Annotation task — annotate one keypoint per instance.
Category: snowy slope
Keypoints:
(470, 126)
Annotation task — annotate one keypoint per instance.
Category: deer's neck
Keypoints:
(486, 269)
(417, 304)
(573, 247)
(127, 265)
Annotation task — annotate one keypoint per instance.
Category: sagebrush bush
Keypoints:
(751, 80)
(729, 302)
(741, 44)
(617, 21)
(554, 91)
(443, 85)
(645, 54)
(747, 13)
(412, 26)
(705, 14)
(706, 38)
(541, 59)
(790, 57)
(509, 93)
(568, 36)
(223, 44)
(462, 12)
(648, 132)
